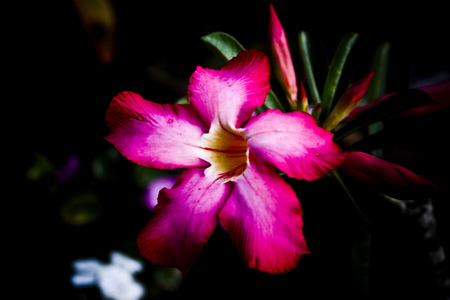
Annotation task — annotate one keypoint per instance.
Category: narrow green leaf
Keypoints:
(272, 102)
(223, 45)
(377, 87)
(335, 70)
(305, 52)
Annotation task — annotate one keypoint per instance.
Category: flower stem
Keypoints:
(338, 178)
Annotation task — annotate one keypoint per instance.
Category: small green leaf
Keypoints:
(305, 52)
(377, 87)
(335, 70)
(183, 100)
(223, 45)
(272, 102)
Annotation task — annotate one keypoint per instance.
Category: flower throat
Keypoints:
(226, 151)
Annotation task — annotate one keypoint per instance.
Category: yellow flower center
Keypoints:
(226, 151)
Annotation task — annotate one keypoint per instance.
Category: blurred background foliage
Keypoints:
(78, 198)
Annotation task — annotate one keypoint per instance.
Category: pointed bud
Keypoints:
(348, 102)
(282, 62)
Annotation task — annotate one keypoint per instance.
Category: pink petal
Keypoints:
(154, 135)
(264, 220)
(184, 218)
(283, 66)
(386, 176)
(293, 143)
(227, 97)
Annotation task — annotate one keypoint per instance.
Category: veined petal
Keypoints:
(293, 143)
(183, 220)
(264, 220)
(154, 135)
(386, 176)
(227, 97)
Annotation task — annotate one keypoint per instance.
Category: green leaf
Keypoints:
(183, 100)
(272, 102)
(377, 87)
(223, 45)
(305, 52)
(335, 70)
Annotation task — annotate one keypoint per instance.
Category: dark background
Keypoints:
(60, 93)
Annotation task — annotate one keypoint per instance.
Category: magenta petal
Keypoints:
(383, 175)
(264, 221)
(184, 218)
(154, 135)
(293, 143)
(228, 97)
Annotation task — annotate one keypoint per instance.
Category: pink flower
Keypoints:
(230, 159)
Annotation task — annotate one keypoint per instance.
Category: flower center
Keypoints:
(226, 151)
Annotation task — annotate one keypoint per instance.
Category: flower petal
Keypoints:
(227, 97)
(386, 176)
(293, 143)
(184, 218)
(154, 135)
(264, 220)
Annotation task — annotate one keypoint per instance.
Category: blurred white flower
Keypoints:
(115, 280)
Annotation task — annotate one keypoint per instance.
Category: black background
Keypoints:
(60, 92)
